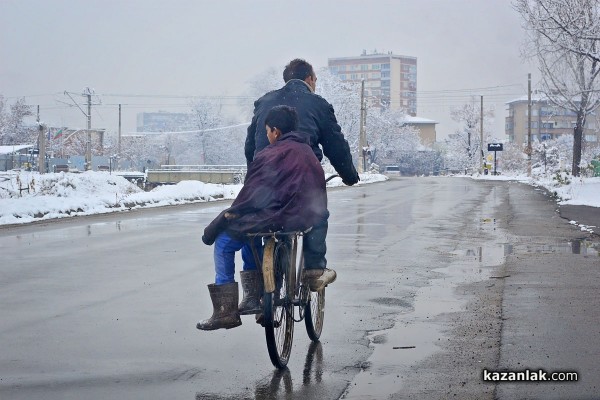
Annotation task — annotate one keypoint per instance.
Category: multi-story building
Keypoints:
(547, 121)
(389, 78)
(163, 121)
(425, 128)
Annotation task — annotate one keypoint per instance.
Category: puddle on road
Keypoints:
(495, 254)
(583, 247)
(416, 336)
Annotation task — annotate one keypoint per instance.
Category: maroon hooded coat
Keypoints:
(284, 190)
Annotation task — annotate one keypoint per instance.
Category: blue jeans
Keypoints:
(224, 255)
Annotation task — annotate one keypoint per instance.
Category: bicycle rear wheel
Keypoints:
(314, 314)
(278, 310)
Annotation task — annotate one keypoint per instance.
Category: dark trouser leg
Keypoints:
(315, 247)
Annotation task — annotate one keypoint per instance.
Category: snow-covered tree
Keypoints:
(226, 146)
(552, 156)
(12, 127)
(191, 148)
(564, 37)
(388, 135)
(345, 99)
(513, 158)
(143, 150)
(464, 148)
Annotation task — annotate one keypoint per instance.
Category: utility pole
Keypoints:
(481, 138)
(88, 146)
(119, 140)
(529, 124)
(42, 148)
(362, 140)
(88, 143)
(41, 145)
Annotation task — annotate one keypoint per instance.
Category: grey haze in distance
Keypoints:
(213, 48)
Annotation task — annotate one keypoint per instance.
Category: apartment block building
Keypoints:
(547, 121)
(390, 79)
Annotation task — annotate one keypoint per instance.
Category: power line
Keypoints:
(221, 128)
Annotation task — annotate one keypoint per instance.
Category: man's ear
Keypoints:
(310, 81)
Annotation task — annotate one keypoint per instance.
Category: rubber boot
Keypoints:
(225, 308)
(252, 286)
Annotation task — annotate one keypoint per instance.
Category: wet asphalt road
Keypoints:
(105, 307)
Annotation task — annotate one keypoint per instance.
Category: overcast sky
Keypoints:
(197, 47)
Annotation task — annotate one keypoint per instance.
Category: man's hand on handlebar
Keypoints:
(352, 181)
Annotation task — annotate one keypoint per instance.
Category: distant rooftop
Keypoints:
(418, 120)
(15, 148)
(374, 54)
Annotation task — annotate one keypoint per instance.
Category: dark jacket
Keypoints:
(315, 117)
(284, 190)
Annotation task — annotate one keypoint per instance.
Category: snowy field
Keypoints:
(59, 195)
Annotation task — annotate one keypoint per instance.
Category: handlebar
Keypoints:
(331, 177)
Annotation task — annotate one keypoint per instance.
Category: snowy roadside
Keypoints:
(60, 195)
(580, 191)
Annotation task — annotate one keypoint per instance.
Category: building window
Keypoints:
(385, 66)
(364, 67)
(385, 84)
(333, 69)
(375, 66)
(545, 136)
(591, 138)
(385, 74)
(342, 68)
(342, 77)
(353, 76)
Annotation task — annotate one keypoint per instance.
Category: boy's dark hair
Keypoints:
(297, 69)
(284, 118)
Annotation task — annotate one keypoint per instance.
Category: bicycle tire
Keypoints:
(278, 310)
(314, 315)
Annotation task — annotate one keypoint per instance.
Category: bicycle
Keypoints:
(284, 292)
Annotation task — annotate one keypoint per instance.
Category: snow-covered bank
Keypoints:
(568, 190)
(580, 191)
(28, 196)
(59, 195)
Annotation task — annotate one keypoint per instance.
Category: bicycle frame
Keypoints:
(267, 266)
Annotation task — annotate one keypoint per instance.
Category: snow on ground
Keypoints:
(59, 195)
(580, 191)
(573, 191)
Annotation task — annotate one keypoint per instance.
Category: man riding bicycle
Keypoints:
(316, 117)
(284, 190)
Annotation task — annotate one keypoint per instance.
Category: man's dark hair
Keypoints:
(297, 69)
(284, 118)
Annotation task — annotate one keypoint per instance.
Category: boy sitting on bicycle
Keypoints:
(284, 190)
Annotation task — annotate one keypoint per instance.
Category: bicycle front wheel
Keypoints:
(278, 310)
(314, 314)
